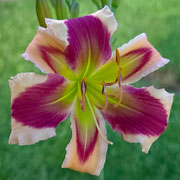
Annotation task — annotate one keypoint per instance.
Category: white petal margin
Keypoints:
(96, 161)
(155, 63)
(165, 98)
(57, 28)
(24, 135)
(20, 134)
(146, 141)
(108, 19)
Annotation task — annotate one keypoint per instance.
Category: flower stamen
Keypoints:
(117, 57)
(105, 94)
(83, 91)
(119, 80)
(119, 77)
(96, 122)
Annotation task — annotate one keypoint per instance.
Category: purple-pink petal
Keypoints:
(84, 151)
(35, 108)
(87, 37)
(143, 54)
(46, 53)
(139, 113)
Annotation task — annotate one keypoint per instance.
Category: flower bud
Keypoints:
(62, 10)
(75, 10)
(42, 11)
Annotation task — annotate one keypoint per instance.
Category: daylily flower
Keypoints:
(87, 82)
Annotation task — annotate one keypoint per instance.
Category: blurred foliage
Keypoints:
(161, 22)
(113, 4)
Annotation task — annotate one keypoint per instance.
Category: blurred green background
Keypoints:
(161, 21)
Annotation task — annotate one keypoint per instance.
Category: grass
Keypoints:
(161, 21)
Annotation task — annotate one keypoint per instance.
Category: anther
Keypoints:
(119, 80)
(117, 57)
(119, 77)
(83, 91)
(105, 94)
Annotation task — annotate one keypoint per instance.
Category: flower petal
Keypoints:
(142, 115)
(108, 19)
(82, 43)
(86, 151)
(138, 58)
(39, 104)
(47, 51)
(89, 40)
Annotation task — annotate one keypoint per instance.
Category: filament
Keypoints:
(97, 125)
(117, 57)
(105, 94)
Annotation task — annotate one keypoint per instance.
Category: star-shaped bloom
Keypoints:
(88, 81)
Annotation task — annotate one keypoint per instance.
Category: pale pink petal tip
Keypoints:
(165, 98)
(29, 58)
(26, 135)
(58, 28)
(108, 19)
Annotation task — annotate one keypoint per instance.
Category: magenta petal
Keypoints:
(142, 115)
(86, 151)
(144, 55)
(88, 37)
(35, 108)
